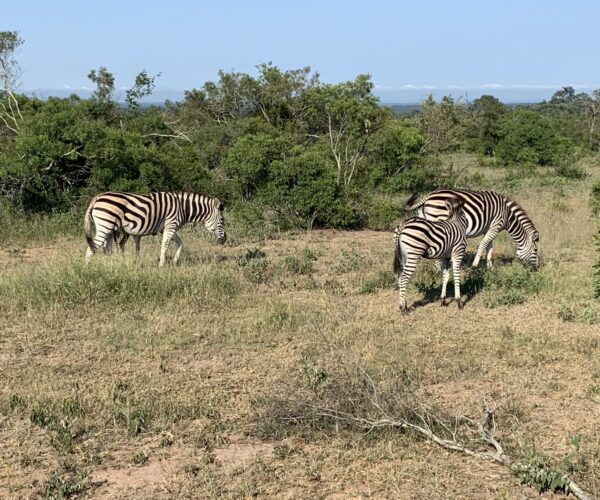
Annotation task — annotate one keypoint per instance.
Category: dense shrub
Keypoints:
(529, 138)
(300, 152)
(304, 191)
(510, 285)
(383, 214)
(595, 198)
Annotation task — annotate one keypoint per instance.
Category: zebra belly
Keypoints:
(139, 230)
(432, 254)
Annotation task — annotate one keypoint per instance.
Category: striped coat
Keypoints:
(444, 241)
(487, 213)
(145, 214)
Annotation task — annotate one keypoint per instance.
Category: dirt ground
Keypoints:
(108, 394)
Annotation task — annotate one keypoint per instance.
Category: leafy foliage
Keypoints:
(528, 137)
(283, 142)
(534, 472)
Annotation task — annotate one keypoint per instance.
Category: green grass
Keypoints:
(161, 380)
(116, 282)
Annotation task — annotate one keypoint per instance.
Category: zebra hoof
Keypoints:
(460, 304)
(443, 302)
(404, 310)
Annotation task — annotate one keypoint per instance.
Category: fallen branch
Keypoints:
(356, 401)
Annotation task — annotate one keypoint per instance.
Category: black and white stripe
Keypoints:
(444, 241)
(144, 214)
(488, 213)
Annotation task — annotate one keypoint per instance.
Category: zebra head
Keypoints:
(454, 206)
(527, 249)
(215, 222)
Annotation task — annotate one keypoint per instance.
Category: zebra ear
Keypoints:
(221, 207)
(535, 236)
(454, 204)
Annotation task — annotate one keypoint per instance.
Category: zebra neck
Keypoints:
(194, 209)
(516, 224)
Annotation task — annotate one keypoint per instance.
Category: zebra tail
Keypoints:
(397, 258)
(87, 226)
(414, 202)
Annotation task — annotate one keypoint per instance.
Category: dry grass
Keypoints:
(123, 380)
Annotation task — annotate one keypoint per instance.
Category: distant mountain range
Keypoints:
(405, 99)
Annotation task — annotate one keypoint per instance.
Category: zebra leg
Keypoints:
(490, 249)
(137, 239)
(445, 268)
(122, 242)
(409, 267)
(99, 240)
(487, 239)
(168, 234)
(179, 244)
(456, 263)
(107, 247)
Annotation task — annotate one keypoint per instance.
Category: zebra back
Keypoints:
(431, 238)
(482, 210)
(144, 214)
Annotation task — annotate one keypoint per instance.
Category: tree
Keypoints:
(395, 148)
(248, 160)
(564, 95)
(10, 114)
(105, 84)
(439, 124)
(529, 137)
(278, 94)
(592, 113)
(486, 113)
(344, 116)
(302, 187)
(143, 86)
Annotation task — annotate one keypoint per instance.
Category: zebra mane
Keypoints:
(517, 213)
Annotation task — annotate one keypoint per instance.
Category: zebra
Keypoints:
(486, 212)
(444, 241)
(143, 214)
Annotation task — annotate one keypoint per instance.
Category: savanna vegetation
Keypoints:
(277, 365)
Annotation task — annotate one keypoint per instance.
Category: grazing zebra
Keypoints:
(143, 214)
(444, 241)
(486, 212)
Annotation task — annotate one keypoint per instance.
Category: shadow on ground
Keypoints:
(472, 284)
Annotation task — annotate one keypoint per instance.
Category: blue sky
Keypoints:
(517, 50)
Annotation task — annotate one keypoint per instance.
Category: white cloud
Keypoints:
(488, 86)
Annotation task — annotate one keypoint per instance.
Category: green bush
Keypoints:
(396, 147)
(248, 159)
(249, 220)
(304, 191)
(529, 138)
(299, 265)
(595, 198)
(565, 166)
(383, 214)
(597, 266)
(382, 279)
(582, 313)
(510, 285)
